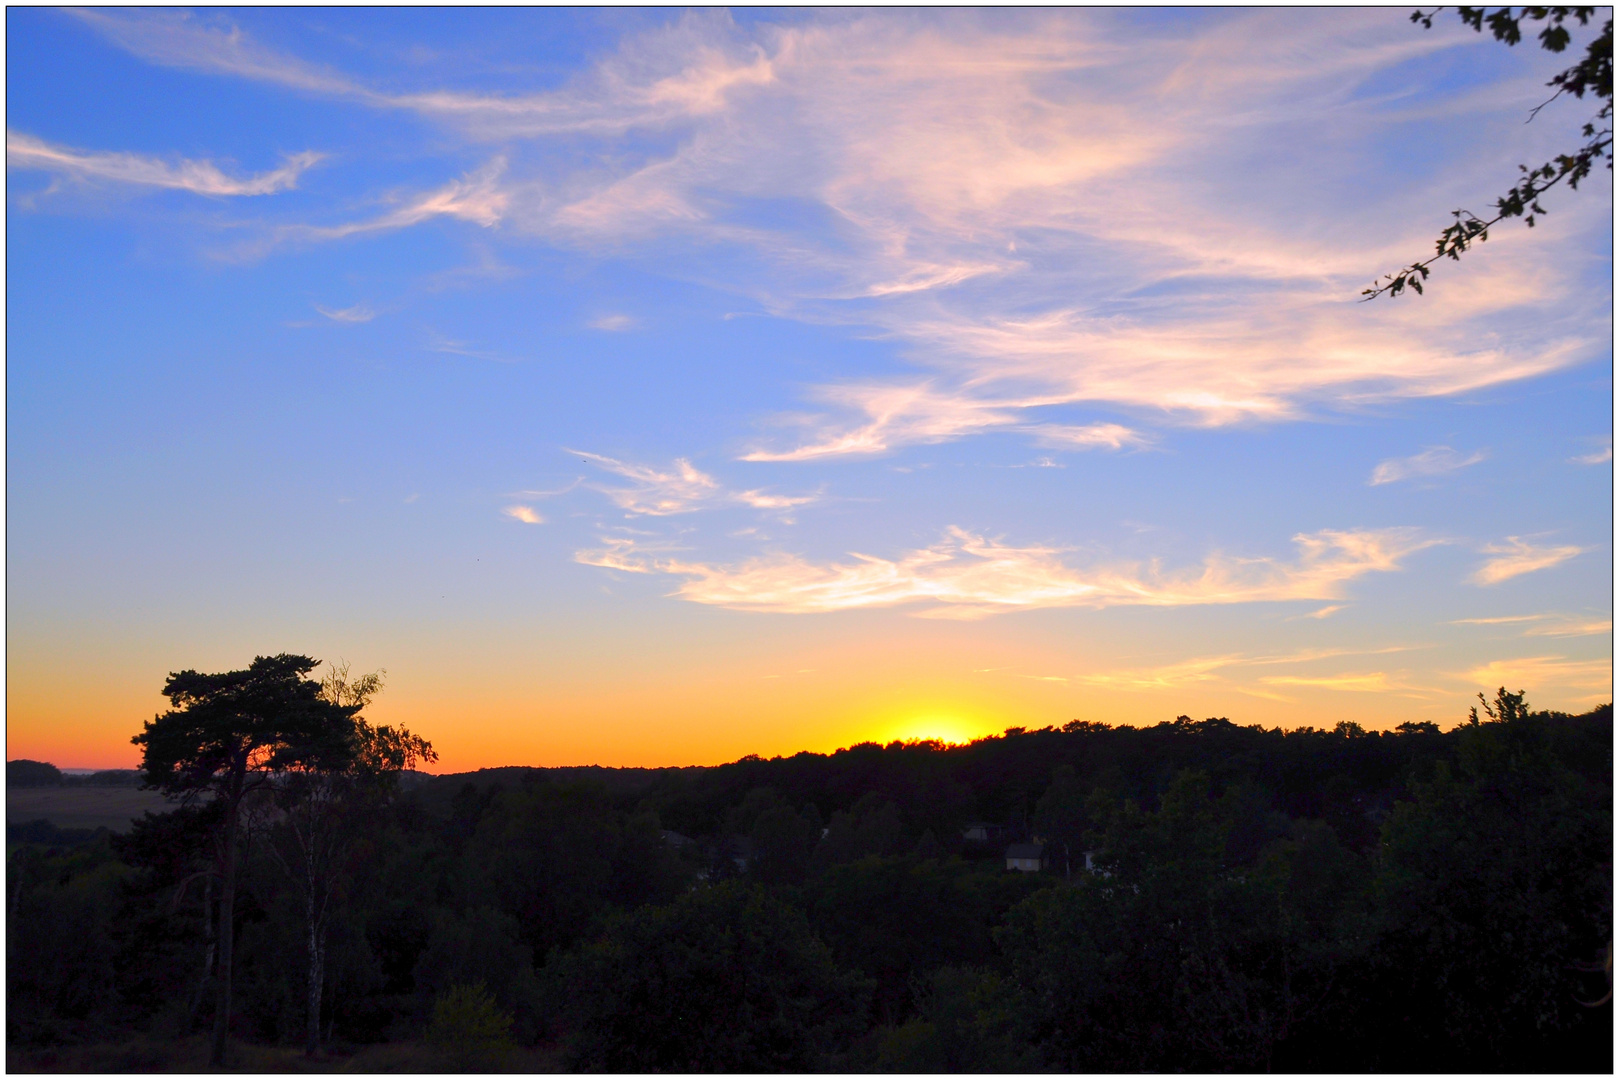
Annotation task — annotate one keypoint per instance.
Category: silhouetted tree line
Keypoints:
(1304, 900)
(23, 773)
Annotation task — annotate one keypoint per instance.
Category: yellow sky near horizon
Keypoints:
(945, 682)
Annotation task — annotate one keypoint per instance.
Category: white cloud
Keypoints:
(359, 313)
(613, 323)
(1044, 209)
(476, 197)
(680, 489)
(1087, 436)
(1596, 457)
(1434, 461)
(682, 71)
(1515, 556)
(525, 514)
(182, 39)
(968, 576)
(184, 174)
(980, 178)
(899, 414)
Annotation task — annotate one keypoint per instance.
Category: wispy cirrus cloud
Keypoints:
(1163, 677)
(182, 174)
(1086, 436)
(359, 313)
(1368, 682)
(1581, 679)
(901, 415)
(687, 71)
(1573, 626)
(1549, 624)
(1596, 457)
(680, 489)
(1515, 556)
(476, 197)
(1234, 671)
(968, 576)
(968, 176)
(1434, 461)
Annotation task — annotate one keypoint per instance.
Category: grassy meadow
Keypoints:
(82, 807)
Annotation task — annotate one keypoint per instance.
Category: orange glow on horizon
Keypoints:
(701, 706)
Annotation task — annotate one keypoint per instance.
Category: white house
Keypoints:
(1025, 857)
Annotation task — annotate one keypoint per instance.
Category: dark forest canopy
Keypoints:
(1343, 899)
(999, 778)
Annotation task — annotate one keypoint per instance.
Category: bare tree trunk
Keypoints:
(210, 946)
(317, 974)
(210, 927)
(227, 937)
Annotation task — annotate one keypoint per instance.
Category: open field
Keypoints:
(82, 807)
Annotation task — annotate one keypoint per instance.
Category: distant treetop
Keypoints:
(25, 773)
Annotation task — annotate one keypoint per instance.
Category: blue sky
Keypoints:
(651, 387)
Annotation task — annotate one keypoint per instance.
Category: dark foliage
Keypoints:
(23, 773)
(725, 979)
(1306, 900)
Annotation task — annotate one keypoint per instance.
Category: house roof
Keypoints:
(1025, 851)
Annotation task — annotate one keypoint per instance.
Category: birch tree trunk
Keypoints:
(210, 946)
(317, 972)
(227, 936)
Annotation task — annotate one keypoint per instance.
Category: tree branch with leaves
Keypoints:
(1592, 75)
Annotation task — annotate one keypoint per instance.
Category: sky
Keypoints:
(647, 387)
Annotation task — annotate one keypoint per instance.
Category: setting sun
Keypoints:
(940, 726)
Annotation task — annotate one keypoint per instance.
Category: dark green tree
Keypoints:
(966, 1021)
(1593, 75)
(174, 851)
(556, 855)
(23, 773)
(726, 979)
(1174, 959)
(481, 947)
(1060, 820)
(225, 738)
(1495, 883)
(782, 842)
(872, 826)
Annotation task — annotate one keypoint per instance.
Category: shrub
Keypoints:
(469, 1030)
